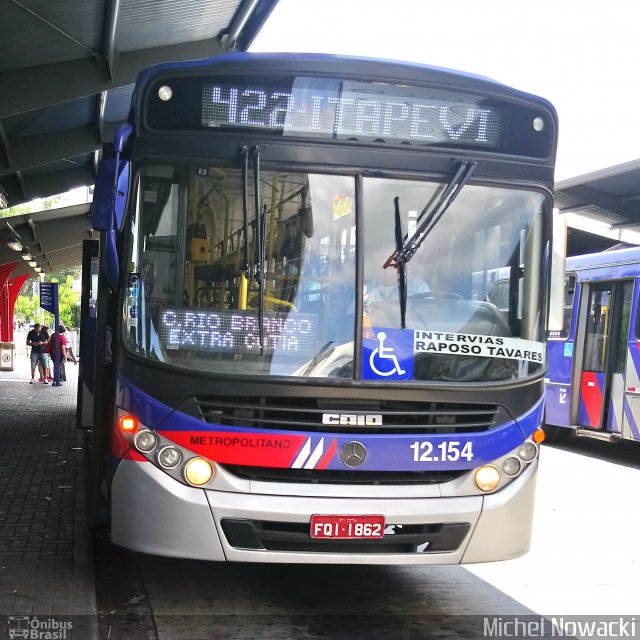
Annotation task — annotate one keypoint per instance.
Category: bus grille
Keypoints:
(391, 416)
(292, 536)
(329, 476)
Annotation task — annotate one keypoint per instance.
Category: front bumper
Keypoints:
(152, 513)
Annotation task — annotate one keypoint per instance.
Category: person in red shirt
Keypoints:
(62, 350)
(68, 334)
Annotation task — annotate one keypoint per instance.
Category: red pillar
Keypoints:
(14, 286)
(6, 315)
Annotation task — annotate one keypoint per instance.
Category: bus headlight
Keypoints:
(527, 451)
(487, 478)
(145, 441)
(198, 471)
(169, 457)
(511, 466)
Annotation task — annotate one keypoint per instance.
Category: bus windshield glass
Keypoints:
(228, 281)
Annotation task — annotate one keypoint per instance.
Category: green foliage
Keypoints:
(67, 299)
(50, 203)
(30, 207)
(14, 211)
(63, 274)
(28, 305)
(26, 309)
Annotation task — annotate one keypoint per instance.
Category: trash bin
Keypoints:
(6, 356)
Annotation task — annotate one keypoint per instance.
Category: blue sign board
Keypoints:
(49, 296)
(49, 302)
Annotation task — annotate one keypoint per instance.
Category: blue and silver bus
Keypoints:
(593, 382)
(298, 356)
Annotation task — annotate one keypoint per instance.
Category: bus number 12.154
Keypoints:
(445, 451)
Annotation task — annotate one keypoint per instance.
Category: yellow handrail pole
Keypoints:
(272, 228)
(242, 293)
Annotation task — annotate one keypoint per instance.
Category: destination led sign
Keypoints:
(340, 109)
(237, 331)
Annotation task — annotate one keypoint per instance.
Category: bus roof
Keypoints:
(390, 70)
(605, 258)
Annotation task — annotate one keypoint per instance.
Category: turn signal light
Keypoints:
(538, 436)
(128, 423)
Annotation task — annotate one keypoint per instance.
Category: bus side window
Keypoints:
(569, 297)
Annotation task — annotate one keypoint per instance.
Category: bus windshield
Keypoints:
(232, 281)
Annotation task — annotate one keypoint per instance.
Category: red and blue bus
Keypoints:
(298, 356)
(593, 381)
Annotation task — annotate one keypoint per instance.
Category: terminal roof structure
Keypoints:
(67, 71)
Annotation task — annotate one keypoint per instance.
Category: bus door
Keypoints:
(87, 336)
(604, 332)
(560, 356)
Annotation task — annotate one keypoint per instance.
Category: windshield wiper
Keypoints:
(244, 152)
(400, 266)
(260, 245)
(430, 216)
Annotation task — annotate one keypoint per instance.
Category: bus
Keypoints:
(593, 381)
(298, 359)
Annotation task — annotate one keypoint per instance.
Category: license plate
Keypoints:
(340, 527)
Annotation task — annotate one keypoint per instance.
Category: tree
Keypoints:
(50, 202)
(63, 274)
(67, 299)
(31, 207)
(26, 309)
(18, 210)
(67, 296)
(28, 302)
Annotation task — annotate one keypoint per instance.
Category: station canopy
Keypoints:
(609, 197)
(67, 71)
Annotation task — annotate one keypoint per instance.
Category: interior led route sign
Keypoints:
(237, 331)
(340, 109)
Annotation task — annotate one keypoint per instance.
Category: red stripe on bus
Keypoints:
(326, 458)
(242, 448)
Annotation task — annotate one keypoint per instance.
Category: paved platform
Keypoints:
(46, 559)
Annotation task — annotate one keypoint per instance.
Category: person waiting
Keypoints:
(70, 343)
(47, 356)
(59, 344)
(38, 340)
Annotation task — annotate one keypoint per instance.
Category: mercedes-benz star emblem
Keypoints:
(353, 454)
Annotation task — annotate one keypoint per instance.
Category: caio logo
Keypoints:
(353, 419)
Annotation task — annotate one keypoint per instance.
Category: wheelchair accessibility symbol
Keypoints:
(383, 360)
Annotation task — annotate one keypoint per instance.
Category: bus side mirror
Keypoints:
(102, 207)
(109, 200)
(122, 189)
(112, 184)
(558, 266)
